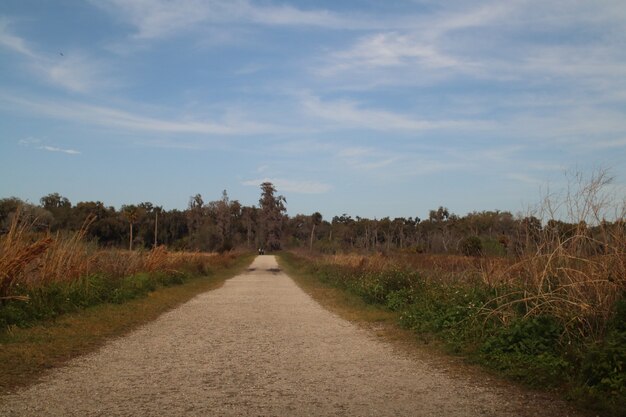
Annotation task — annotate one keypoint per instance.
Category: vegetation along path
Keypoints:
(260, 346)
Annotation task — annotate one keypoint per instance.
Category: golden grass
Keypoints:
(562, 278)
(29, 260)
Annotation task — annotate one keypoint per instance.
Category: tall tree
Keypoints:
(249, 220)
(224, 212)
(272, 213)
(316, 220)
(132, 214)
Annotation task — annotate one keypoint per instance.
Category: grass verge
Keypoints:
(26, 353)
(375, 317)
(448, 318)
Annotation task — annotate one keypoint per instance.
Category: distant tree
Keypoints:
(249, 220)
(54, 200)
(272, 212)
(471, 246)
(196, 216)
(316, 220)
(222, 211)
(60, 207)
(8, 206)
(131, 213)
(439, 215)
(38, 218)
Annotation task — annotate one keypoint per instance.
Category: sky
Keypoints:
(370, 108)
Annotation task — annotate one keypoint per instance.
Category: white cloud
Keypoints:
(294, 186)
(117, 118)
(155, 19)
(367, 159)
(55, 149)
(537, 43)
(71, 70)
(13, 42)
(348, 114)
(525, 178)
(31, 142)
(159, 18)
(387, 50)
(75, 72)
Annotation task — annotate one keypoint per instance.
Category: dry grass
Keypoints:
(29, 260)
(574, 271)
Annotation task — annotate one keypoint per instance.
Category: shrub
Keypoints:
(471, 246)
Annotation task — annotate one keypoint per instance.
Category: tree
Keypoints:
(249, 220)
(224, 211)
(60, 207)
(272, 213)
(54, 200)
(39, 218)
(196, 213)
(471, 246)
(316, 220)
(132, 214)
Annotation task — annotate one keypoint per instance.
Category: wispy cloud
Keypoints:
(367, 159)
(55, 149)
(293, 186)
(166, 18)
(35, 143)
(490, 41)
(348, 114)
(75, 72)
(525, 178)
(118, 118)
(10, 41)
(72, 70)
(390, 49)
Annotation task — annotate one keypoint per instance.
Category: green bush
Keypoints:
(471, 246)
(528, 349)
(603, 367)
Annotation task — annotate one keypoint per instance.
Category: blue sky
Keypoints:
(366, 107)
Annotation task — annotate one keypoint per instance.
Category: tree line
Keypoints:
(225, 224)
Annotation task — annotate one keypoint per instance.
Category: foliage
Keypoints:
(272, 209)
(471, 246)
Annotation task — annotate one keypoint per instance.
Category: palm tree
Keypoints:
(131, 213)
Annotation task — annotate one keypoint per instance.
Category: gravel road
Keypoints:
(260, 346)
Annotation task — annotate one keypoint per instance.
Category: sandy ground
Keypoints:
(259, 346)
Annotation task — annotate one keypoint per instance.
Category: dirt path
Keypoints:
(259, 346)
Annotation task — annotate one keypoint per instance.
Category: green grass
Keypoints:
(26, 353)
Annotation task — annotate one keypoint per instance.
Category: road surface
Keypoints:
(260, 346)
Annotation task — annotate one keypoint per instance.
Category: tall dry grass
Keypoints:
(573, 270)
(29, 260)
